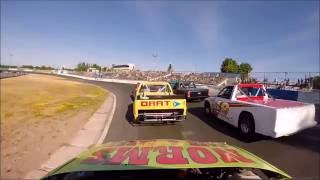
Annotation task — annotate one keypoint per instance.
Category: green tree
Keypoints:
(229, 65)
(82, 66)
(8, 66)
(27, 66)
(96, 66)
(245, 68)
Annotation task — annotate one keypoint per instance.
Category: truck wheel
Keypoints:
(246, 126)
(137, 120)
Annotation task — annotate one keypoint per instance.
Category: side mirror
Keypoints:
(132, 97)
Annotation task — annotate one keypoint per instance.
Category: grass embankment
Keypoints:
(38, 97)
(40, 113)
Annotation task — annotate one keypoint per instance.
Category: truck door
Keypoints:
(221, 104)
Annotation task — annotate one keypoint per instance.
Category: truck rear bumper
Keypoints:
(292, 120)
(196, 97)
(277, 134)
(160, 117)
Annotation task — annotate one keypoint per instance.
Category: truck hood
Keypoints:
(164, 154)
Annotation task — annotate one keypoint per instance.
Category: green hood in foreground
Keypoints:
(164, 154)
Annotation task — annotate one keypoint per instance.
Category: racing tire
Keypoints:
(137, 120)
(246, 127)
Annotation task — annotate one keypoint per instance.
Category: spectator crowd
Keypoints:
(200, 78)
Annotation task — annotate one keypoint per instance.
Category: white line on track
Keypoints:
(106, 128)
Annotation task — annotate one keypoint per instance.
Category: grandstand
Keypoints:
(200, 78)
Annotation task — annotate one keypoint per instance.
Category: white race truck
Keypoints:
(252, 110)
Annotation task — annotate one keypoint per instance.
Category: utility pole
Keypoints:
(10, 59)
(154, 61)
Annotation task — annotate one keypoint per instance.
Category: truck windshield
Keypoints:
(250, 91)
(154, 88)
(190, 85)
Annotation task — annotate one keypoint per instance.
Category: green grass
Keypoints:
(40, 96)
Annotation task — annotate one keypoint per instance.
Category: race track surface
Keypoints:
(298, 155)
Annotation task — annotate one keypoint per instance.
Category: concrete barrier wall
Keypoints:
(309, 97)
(102, 79)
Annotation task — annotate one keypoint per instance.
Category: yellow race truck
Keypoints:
(156, 102)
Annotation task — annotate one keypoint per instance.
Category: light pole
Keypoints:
(10, 59)
(154, 62)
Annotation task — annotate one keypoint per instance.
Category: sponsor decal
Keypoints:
(176, 103)
(222, 107)
(159, 154)
(239, 105)
(155, 103)
(165, 155)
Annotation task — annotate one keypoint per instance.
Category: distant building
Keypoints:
(13, 69)
(26, 69)
(94, 70)
(124, 67)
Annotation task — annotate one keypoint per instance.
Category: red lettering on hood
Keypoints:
(174, 156)
(135, 157)
(201, 155)
(231, 155)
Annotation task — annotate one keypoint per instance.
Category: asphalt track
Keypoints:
(298, 155)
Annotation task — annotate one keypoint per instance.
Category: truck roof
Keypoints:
(154, 82)
(255, 85)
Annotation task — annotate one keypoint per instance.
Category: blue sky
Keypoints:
(192, 35)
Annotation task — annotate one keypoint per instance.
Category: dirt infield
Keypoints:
(39, 114)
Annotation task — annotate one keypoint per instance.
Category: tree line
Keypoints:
(83, 66)
(28, 67)
(230, 65)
